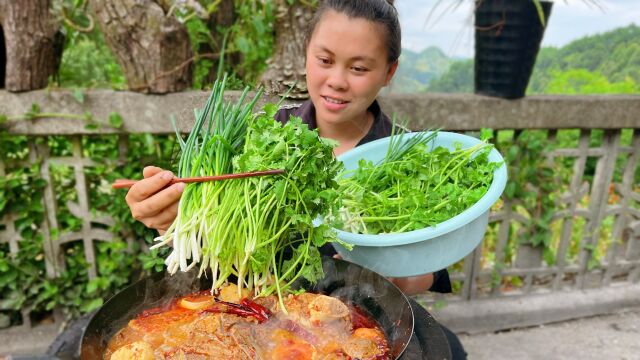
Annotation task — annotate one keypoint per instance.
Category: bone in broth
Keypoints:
(199, 326)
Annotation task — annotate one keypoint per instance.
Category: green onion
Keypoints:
(241, 228)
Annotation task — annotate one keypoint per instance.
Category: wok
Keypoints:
(370, 291)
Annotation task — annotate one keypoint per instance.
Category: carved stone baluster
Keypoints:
(54, 258)
(597, 203)
(504, 217)
(471, 272)
(573, 198)
(123, 149)
(83, 203)
(624, 217)
(633, 250)
(9, 234)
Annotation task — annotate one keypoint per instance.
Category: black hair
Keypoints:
(378, 11)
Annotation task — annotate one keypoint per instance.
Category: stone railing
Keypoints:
(487, 295)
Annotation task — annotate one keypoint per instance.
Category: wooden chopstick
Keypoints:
(127, 183)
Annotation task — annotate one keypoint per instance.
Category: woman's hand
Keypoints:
(151, 202)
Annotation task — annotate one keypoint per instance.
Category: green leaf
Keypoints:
(91, 305)
(92, 286)
(486, 134)
(78, 94)
(115, 120)
(440, 304)
(270, 110)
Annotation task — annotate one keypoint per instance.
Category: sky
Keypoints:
(452, 29)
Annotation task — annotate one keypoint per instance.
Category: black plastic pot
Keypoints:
(508, 36)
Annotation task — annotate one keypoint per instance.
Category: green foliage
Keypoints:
(459, 79)
(614, 54)
(416, 70)
(531, 182)
(201, 40)
(87, 62)
(608, 63)
(23, 278)
(581, 81)
(253, 36)
(249, 45)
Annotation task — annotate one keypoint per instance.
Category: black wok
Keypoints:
(370, 291)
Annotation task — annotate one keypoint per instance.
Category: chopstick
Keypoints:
(127, 183)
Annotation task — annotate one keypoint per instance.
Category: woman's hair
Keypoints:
(378, 11)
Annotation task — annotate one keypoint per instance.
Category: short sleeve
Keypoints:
(441, 282)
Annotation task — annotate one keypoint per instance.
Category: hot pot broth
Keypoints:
(197, 326)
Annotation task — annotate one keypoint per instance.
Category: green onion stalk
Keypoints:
(218, 134)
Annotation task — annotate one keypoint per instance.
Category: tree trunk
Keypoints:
(152, 48)
(287, 65)
(3, 55)
(29, 30)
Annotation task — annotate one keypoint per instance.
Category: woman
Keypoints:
(352, 51)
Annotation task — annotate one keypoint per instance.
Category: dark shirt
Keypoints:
(380, 128)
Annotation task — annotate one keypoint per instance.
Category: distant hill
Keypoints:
(603, 63)
(614, 55)
(417, 69)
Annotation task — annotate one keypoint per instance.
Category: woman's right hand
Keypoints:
(151, 203)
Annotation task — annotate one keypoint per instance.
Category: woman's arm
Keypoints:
(415, 284)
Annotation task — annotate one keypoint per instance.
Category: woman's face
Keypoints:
(346, 67)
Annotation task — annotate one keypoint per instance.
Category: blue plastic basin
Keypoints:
(430, 249)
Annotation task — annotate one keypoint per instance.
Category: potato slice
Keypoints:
(229, 293)
(197, 302)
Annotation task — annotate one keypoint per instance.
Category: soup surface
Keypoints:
(200, 326)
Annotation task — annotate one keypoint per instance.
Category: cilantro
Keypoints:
(414, 187)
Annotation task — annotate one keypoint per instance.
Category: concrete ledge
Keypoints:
(508, 313)
(24, 341)
(151, 113)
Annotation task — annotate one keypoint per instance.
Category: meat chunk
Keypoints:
(326, 309)
(138, 350)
